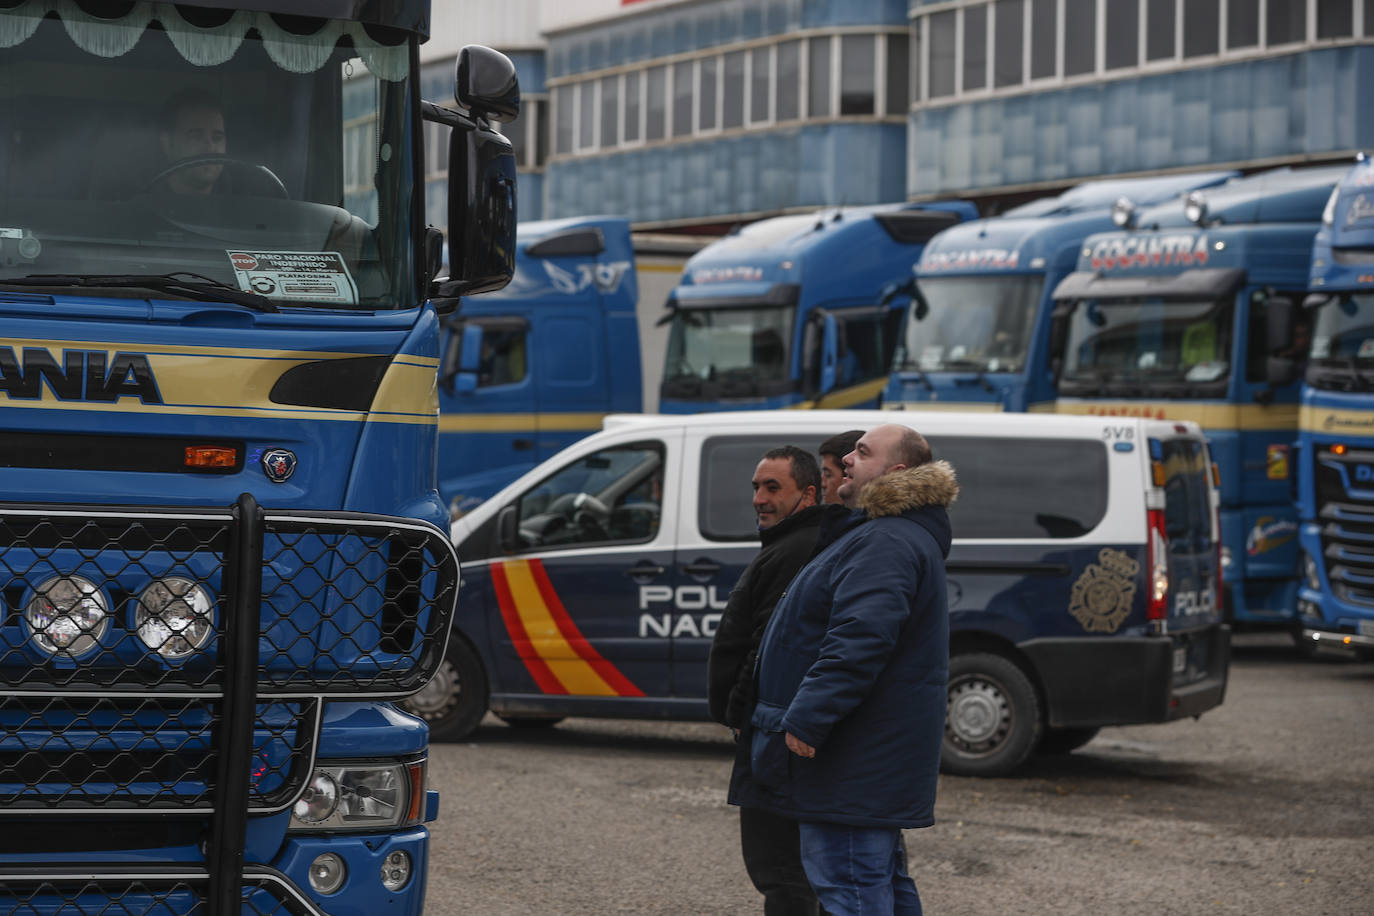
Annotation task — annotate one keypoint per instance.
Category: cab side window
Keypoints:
(612, 496)
(503, 357)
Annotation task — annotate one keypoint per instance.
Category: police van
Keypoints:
(1084, 577)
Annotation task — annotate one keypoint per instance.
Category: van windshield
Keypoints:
(972, 323)
(1147, 344)
(267, 154)
(727, 352)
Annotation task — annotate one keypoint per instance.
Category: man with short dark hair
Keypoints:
(192, 125)
(832, 452)
(851, 674)
(785, 483)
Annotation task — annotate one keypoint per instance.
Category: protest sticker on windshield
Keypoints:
(314, 276)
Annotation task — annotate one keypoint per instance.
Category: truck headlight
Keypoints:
(67, 614)
(175, 617)
(1309, 573)
(361, 797)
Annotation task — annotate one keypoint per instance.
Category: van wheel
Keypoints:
(1065, 740)
(992, 720)
(455, 699)
(530, 721)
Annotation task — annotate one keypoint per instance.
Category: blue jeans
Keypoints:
(858, 871)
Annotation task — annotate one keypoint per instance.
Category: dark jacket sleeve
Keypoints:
(731, 647)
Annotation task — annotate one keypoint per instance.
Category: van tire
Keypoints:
(992, 721)
(1065, 740)
(455, 699)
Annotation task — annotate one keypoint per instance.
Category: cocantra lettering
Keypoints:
(1149, 251)
(82, 375)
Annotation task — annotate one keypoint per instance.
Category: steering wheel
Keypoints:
(590, 514)
(276, 185)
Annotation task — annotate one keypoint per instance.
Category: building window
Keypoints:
(1335, 19)
(633, 107)
(610, 111)
(1201, 22)
(1123, 34)
(655, 103)
(1044, 38)
(898, 73)
(682, 98)
(1008, 46)
(789, 81)
(857, 68)
(563, 112)
(1160, 16)
(760, 84)
(706, 101)
(818, 77)
(1080, 37)
(540, 112)
(1285, 21)
(942, 31)
(586, 117)
(1242, 23)
(732, 109)
(975, 47)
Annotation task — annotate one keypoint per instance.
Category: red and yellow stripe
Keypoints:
(554, 651)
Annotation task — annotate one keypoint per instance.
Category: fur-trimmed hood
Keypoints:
(930, 484)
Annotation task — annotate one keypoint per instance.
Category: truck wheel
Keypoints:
(992, 721)
(1065, 740)
(455, 700)
(530, 721)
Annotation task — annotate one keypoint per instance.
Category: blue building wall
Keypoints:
(1308, 103)
(812, 165)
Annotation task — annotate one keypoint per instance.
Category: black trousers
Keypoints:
(772, 855)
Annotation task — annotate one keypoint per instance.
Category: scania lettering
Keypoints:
(221, 552)
(1081, 582)
(790, 311)
(1335, 478)
(1169, 319)
(977, 335)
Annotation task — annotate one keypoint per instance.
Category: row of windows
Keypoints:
(822, 76)
(1007, 43)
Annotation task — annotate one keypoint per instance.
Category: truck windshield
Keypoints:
(267, 154)
(1344, 330)
(727, 351)
(1148, 342)
(983, 321)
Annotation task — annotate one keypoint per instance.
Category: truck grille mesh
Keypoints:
(262, 895)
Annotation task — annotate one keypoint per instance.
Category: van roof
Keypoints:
(945, 422)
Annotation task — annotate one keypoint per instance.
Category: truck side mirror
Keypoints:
(896, 289)
(1280, 314)
(1059, 336)
(1280, 370)
(434, 254)
(469, 359)
(830, 354)
(507, 536)
(485, 84)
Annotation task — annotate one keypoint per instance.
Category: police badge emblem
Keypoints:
(1102, 596)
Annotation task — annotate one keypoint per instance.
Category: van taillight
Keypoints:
(1157, 558)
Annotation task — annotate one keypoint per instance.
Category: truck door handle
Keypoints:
(701, 568)
(644, 570)
(522, 445)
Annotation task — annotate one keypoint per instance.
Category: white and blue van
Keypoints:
(1084, 578)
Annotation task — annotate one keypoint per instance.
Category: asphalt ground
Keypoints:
(1261, 806)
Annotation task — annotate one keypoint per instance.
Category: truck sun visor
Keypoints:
(1203, 283)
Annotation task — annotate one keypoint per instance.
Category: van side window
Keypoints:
(725, 509)
(1025, 488)
(612, 496)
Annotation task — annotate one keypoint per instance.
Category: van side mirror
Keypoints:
(507, 535)
(469, 359)
(1280, 315)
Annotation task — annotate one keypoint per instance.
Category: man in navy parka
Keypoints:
(852, 678)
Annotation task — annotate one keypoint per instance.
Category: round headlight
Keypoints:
(1195, 208)
(318, 801)
(1123, 213)
(327, 873)
(395, 871)
(67, 614)
(175, 617)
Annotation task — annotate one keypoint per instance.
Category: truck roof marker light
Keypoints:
(1338, 449)
(1195, 209)
(211, 457)
(1123, 213)
(1329, 211)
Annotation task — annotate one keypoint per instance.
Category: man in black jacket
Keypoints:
(786, 483)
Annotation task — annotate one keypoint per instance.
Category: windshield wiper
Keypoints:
(920, 374)
(199, 286)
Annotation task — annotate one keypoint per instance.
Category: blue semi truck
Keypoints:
(1169, 320)
(791, 311)
(221, 551)
(977, 335)
(532, 368)
(1335, 483)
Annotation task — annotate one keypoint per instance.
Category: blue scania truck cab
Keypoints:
(220, 546)
(1335, 483)
(1169, 320)
(791, 311)
(977, 336)
(531, 368)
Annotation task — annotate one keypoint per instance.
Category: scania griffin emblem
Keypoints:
(279, 464)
